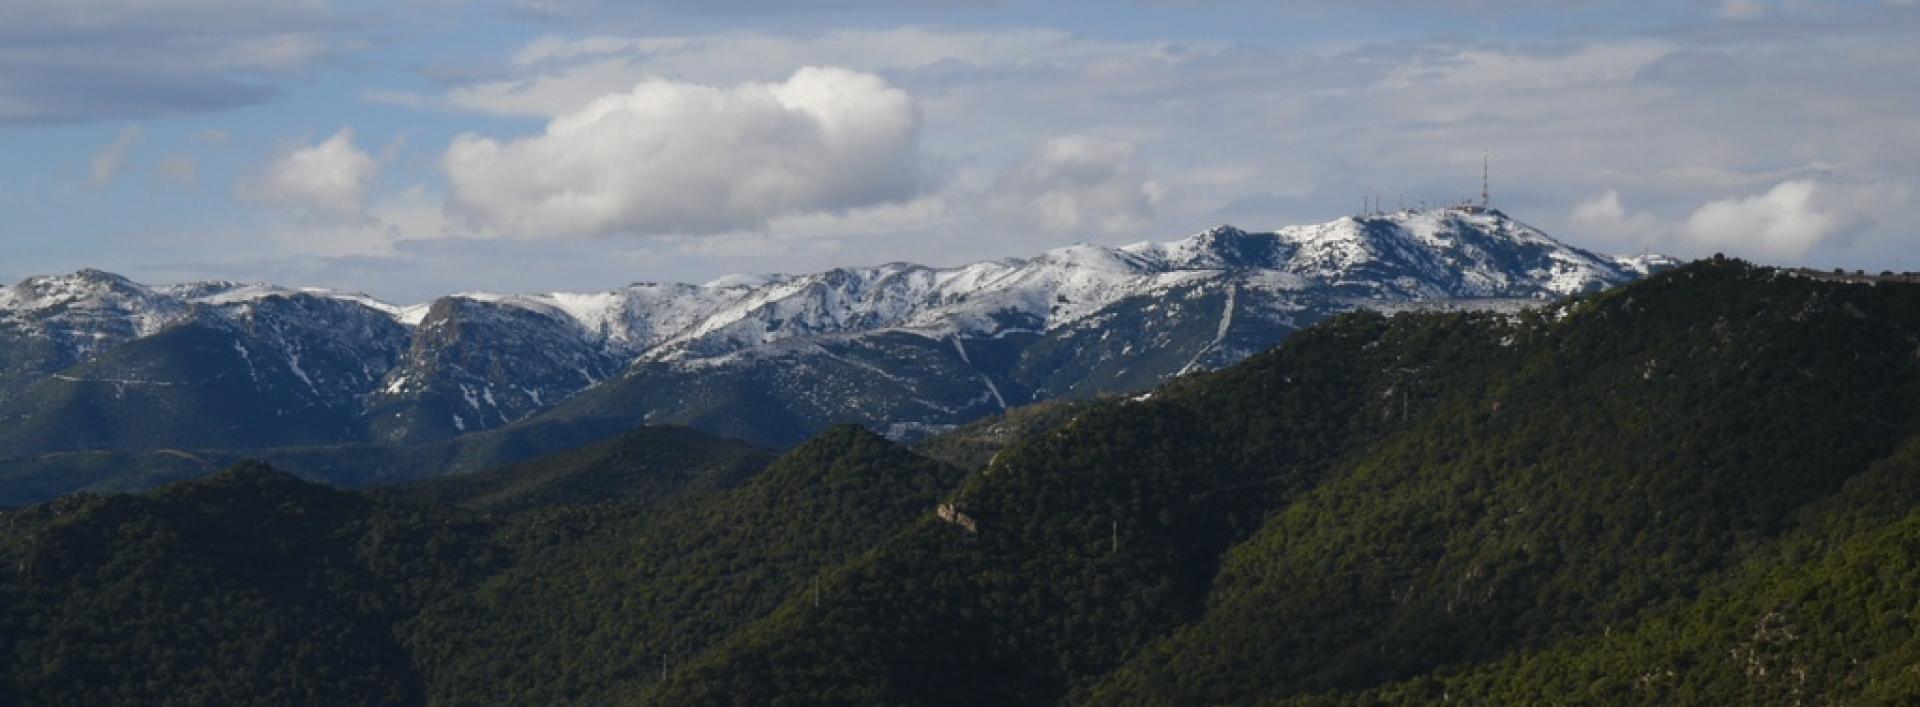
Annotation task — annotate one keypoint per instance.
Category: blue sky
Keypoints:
(410, 148)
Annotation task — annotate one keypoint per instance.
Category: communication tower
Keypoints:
(1484, 200)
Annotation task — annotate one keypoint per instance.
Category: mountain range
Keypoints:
(95, 362)
(1701, 488)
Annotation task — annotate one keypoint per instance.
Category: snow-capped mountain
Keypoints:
(901, 347)
(1406, 255)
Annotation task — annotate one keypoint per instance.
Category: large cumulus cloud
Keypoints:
(670, 157)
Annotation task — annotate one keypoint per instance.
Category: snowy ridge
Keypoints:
(1450, 253)
(86, 312)
(500, 357)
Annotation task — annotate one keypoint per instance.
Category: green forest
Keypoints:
(1700, 488)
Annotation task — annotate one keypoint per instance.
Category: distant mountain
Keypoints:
(92, 361)
(350, 465)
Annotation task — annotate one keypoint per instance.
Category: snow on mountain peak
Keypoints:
(1385, 257)
(89, 308)
(489, 359)
(740, 280)
(1411, 253)
(85, 288)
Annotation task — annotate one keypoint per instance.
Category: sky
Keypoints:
(413, 148)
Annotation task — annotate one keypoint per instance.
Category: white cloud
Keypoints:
(1782, 223)
(1077, 184)
(106, 163)
(678, 158)
(1604, 219)
(326, 182)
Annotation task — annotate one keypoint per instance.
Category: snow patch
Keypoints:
(248, 358)
(991, 388)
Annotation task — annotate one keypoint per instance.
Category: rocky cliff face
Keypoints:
(473, 364)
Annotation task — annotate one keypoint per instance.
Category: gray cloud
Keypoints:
(64, 61)
(48, 93)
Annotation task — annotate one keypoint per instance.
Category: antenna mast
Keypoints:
(1484, 202)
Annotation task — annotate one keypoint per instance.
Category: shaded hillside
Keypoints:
(253, 587)
(1090, 540)
(645, 466)
(358, 465)
(1824, 618)
(973, 445)
(608, 596)
(249, 587)
(1623, 459)
(188, 387)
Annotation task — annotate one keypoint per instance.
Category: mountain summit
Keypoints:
(904, 348)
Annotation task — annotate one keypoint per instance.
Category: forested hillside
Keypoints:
(1402, 497)
(249, 587)
(1703, 488)
(604, 600)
